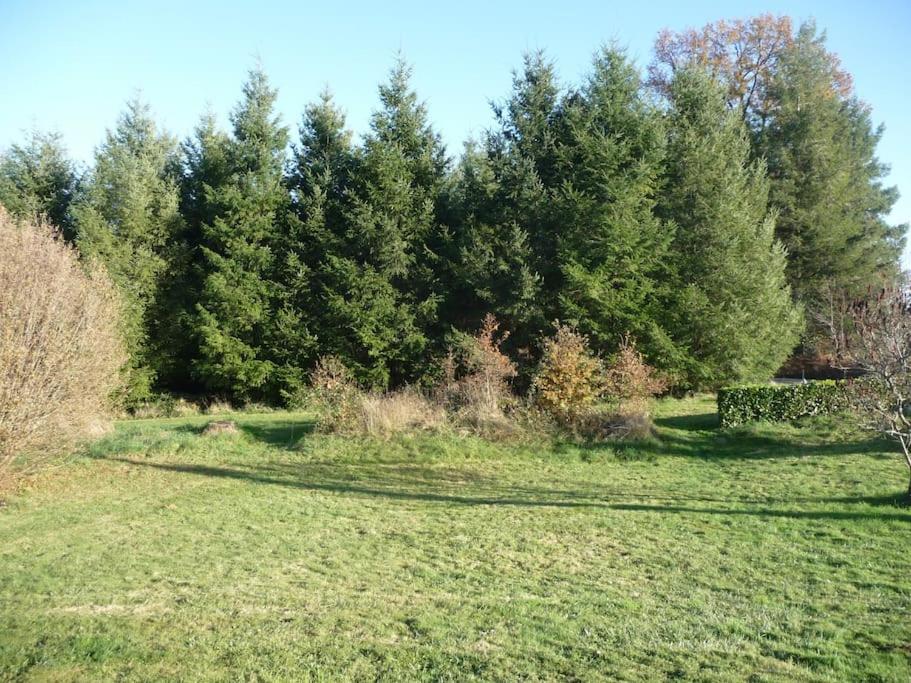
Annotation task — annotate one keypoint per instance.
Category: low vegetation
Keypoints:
(771, 551)
(61, 350)
(780, 402)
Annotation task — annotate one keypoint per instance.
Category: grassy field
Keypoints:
(769, 553)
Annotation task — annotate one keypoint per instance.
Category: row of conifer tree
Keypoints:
(673, 215)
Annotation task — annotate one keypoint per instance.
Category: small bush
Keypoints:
(630, 382)
(570, 378)
(779, 402)
(61, 349)
(335, 394)
(475, 386)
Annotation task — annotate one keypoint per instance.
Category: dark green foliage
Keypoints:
(128, 218)
(377, 277)
(37, 178)
(558, 219)
(826, 182)
(779, 402)
(239, 231)
(729, 309)
(611, 248)
(591, 205)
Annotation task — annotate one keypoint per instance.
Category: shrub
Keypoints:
(334, 393)
(570, 378)
(779, 402)
(476, 377)
(630, 382)
(61, 350)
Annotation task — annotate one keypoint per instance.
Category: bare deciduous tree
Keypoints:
(882, 348)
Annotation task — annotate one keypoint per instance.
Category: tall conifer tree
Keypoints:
(239, 238)
(379, 282)
(128, 218)
(730, 309)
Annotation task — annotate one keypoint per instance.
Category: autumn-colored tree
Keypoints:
(742, 53)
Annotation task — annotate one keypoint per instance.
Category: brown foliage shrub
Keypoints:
(630, 382)
(570, 377)
(61, 349)
(476, 379)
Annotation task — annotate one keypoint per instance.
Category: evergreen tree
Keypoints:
(612, 250)
(504, 233)
(37, 178)
(379, 283)
(826, 179)
(730, 309)
(563, 198)
(489, 263)
(128, 218)
(241, 227)
(319, 184)
(204, 167)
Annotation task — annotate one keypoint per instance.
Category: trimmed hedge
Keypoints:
(778, 402)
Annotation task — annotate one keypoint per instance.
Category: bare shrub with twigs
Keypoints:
(882, 349)
(61, 349)
(630, 382)
(334, 393)
(476, 379)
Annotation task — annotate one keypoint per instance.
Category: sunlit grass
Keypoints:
(768, 553)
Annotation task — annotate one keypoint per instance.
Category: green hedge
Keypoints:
(778, 402)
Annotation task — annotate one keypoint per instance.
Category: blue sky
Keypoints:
(69, 66)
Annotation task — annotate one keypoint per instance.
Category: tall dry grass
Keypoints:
(61, 349)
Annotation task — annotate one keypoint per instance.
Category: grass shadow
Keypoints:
(326, 478)
(696, 422)
(278, 433)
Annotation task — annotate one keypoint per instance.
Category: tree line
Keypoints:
(705, 211)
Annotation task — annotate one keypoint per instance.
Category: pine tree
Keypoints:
(612, 250)
(38, 178)
(319, 184)
(826, 179)
(379, 283)
(504, 235)
(241, 228)
(730, 309)
(128, 218)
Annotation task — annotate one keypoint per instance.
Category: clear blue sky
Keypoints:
(70, 65)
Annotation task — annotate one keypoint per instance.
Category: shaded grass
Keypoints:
(768, 553)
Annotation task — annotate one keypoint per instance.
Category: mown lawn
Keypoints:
(770, 553)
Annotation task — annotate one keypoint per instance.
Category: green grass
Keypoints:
(768, 553)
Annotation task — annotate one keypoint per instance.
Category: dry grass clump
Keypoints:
(408, 410)
(346, 409)
(61, 349)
